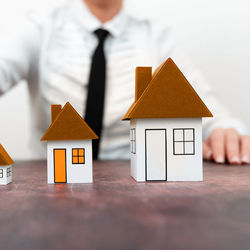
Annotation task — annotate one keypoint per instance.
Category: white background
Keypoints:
(215, 34)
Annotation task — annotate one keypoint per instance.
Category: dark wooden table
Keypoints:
(116, 213)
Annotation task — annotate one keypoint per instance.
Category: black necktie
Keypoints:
(96, 90)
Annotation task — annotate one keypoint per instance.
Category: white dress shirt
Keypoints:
(54, 54)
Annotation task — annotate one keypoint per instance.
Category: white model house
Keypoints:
(166, 126)
(69, 147)
(5, 167)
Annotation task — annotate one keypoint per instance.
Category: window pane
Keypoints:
(189, 134)
(81, 152)
(81, 160)
(134, 147)
(189, 148)
(178, 134)
(75, 159)
(178, 148)
(75, 152)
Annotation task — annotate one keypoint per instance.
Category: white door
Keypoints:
(156, 161)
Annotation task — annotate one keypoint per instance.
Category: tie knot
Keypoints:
(101, 34)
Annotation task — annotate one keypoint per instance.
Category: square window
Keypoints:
(1, 173)
(189, 148)
(81, 160)
(75, 159)
(178, 135)
(75, 152)
(189, 134)
(178, 148)
(81, 152)
(78, 156)
(184, 141)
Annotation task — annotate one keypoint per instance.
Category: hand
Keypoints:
(227, 144)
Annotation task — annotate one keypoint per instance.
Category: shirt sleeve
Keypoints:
(223, 118)
(19, 52)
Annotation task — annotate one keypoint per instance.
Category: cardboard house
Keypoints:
(166, 126)
(69, 147)
(5, 167)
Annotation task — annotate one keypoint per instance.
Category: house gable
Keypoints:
(68, 125)
(5, 159)
(168, 95)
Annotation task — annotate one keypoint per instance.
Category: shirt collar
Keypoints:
(91, 23)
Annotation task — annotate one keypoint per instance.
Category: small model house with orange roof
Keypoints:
(69, 147)
(5, 167)
(166, 126)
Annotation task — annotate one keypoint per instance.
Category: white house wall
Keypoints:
(179, 167)
(81, 173)
(5, 180)
(133, 159)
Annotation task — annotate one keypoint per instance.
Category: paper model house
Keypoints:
(5, 167)
(69, 147)
(166, 126)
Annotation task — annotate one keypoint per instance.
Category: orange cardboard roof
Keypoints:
(168, 95)
(68, 125)
(5, 159)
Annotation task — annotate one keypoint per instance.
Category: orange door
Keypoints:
(60, 165)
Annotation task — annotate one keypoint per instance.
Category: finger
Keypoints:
(245, 149)
(217, 143)
(207, 152)
(233, 146)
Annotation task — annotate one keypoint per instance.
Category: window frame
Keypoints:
(183, 141)
(133, 141)
(9, 172)
(78, 156)
(1, 173)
